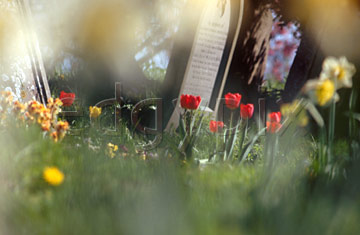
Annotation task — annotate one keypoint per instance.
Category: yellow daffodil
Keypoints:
(303, 119)
(53, 176)
(325, 91)
(321, 91)
(295, 108)
(288, 109)
(339, 70)
(94, 111)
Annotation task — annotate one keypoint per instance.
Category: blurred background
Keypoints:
(89, 45)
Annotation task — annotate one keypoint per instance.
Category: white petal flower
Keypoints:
(338, 70)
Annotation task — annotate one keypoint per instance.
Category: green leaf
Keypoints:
(233, 140)
(315, 113)
(182, 128)
(355, 115)
(250, 145)
(243, 135)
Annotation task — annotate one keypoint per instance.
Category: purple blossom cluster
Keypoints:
(284, 42)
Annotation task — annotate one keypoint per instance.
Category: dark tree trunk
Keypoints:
(249, 61)
(307, 65)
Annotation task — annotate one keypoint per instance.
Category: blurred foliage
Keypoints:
(153, 192)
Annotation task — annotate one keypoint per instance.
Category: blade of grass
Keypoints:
(250, 145)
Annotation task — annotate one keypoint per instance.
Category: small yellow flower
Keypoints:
(34, 107)
(288, 109)
(19, 107)
(8, 97)
(62, 76)
(111, 149)
(43, 115)
(29, 116)
(50, 101)
(94, 111)
(53, 176)
(339, 70)
(62, 126)
(58, 102)
(23, 94)
(303, 119)
(296, 111)
(6, 93)
(46, 125)
(54, 136)
(54, 105)
(325, 91)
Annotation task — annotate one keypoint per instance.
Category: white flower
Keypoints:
(338, 70)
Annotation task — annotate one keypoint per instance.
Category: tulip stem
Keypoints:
(187, 117)
(216, 145)
(229, 139)
(191, 122)
(243, 136)
(231, 119)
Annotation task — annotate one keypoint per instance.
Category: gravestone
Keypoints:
(202, 69)
(22, 68)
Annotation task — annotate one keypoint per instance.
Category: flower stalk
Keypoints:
(332, 116)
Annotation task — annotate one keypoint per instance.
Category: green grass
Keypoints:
(162, 195)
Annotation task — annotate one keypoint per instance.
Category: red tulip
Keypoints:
(215, 126)
(67, 98)
(273, 127)
(190, 101)
(275, 117)
(232, 101)
(246, 111)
